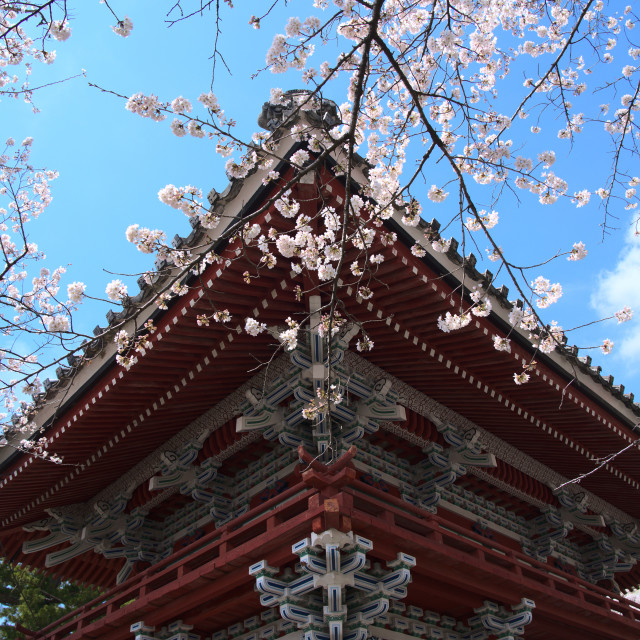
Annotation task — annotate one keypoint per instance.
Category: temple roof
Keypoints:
(111, 425)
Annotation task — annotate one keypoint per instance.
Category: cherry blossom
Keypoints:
(123, 27)
(364, 344)
(624, 315)
(452, 322)
(181, 105)
(545, 292)
(436, 194)
(289, 337)
(486, 220)
(578, 252)
(482, 307)
(116, 290)
(75, 291)
(501, 344)
(253, 327)
(222, 316)
(430, 98)
(441, 245)
(60, 30)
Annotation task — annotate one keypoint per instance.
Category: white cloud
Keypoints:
(618, 288)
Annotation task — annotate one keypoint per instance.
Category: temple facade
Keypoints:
(228, 488)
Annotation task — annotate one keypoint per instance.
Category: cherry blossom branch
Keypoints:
(602, 462)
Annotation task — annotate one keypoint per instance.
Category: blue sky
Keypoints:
(113, 163)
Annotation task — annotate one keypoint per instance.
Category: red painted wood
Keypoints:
(194, 584)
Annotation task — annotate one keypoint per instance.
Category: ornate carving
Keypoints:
(493, 620)
(191, 479)
(61, 528)
(177, 630)
(544, 531)
(399, 623)
(199, 430)
(574, 508)
(336, 597)
(329, 406)
(602, 560)
(428, 407)
(444, 466)
(110, 532)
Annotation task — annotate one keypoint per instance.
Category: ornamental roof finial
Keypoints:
(319, 111)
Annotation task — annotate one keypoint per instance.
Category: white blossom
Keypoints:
(436, 194)
(195, 129)
(624, 315)
(501, 344)
(441, 245)
(277, 97)
(326, 271)
(547, 158)
(124, 27)
(75, 291)
(181, 105)
(488, 219)
(300, 157)
(418, 250)
(289, 337)
(452, 322)
(287, 208)
(57, 324)
(210, 102)
(121, 339)
(60, 30)
(578, 252)
(581, 198)
(253, 327)
(116, 290)
(127, 361)
(545, 292)
(222, 316)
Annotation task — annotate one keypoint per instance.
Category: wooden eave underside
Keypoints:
(546, 418)
(93, 569)
(128, 414)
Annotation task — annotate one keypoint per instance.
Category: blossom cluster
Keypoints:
(322, 403)
(129, 347)
(444, 98)
(123, 27)
(35, 301)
